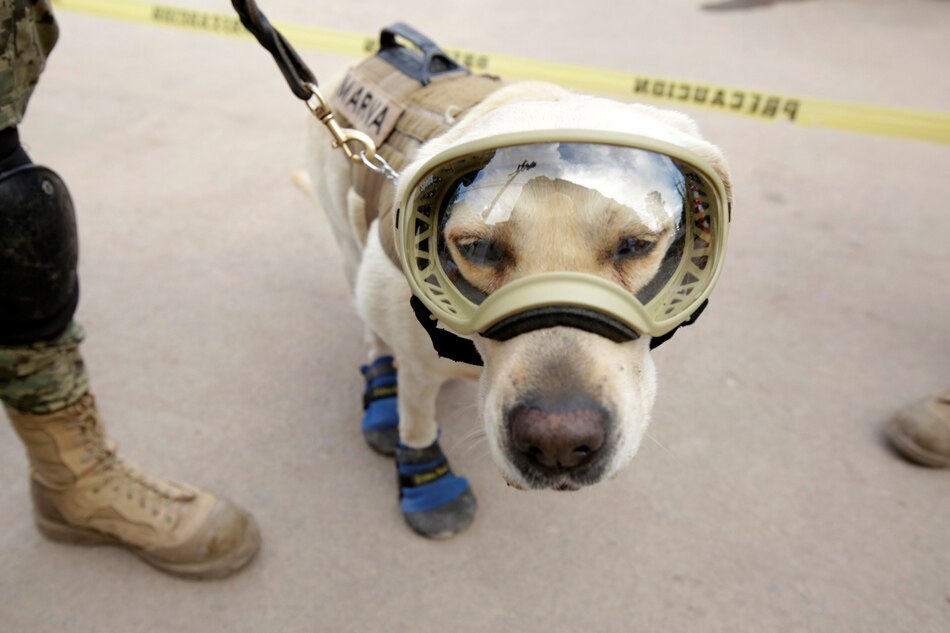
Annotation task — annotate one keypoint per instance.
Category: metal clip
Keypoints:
(380, 166)
(364, 152)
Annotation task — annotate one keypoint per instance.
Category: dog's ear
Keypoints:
(524, 91)
(673, 118)
(475, 119)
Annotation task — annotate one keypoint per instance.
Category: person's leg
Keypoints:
(82, 492)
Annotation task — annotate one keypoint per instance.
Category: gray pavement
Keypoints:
(224, 349)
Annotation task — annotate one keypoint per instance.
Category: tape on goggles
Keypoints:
(625, 236)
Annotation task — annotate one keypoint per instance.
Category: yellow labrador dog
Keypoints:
(561, 407)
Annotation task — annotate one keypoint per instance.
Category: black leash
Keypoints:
(295, 71)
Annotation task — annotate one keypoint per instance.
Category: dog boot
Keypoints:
(83, 493)
(921, 432)
(380, 412)
(435, 503)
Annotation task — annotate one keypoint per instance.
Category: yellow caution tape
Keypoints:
(921, 125)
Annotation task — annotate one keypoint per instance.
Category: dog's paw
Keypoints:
(436, 503)
(380, 423)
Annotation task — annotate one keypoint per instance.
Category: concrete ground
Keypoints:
(224, 349)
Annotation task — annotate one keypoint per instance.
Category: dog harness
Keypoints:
(402, 100)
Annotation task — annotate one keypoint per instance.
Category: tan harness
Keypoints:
(400, 114)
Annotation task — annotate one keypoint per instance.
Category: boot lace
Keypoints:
(121, 476)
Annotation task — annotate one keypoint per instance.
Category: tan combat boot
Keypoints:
(921, 432)
(82, 493)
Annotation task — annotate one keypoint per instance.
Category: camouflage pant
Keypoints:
(49, 375)
(28, 33)
(44, 376)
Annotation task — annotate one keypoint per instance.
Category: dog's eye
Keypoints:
(633, 247)
(481, 252)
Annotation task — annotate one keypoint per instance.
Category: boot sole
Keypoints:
(218, 568)
(913, 451)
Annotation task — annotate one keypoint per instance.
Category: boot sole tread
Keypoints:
(219, 568)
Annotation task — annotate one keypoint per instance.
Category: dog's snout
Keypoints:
(562, 438)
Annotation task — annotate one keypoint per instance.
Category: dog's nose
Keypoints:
(561, 438)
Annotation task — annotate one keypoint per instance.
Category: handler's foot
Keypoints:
(435, 503)
(380, 412)
(921, 432)
(84, 494)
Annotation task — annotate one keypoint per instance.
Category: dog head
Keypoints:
(563, 407)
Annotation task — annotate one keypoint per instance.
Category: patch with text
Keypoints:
(366, 107)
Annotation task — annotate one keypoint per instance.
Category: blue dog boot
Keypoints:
(380, 412)
(435, 503)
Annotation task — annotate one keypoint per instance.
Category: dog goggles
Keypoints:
(619, 235)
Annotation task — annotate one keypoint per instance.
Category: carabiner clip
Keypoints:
(342, 136)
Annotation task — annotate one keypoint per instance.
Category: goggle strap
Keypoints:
(567, 316)
(462, 350)
(656, 341)
(446, 344)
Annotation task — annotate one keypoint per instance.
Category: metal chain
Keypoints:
(380, 167)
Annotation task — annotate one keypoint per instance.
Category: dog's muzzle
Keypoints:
(618, 235)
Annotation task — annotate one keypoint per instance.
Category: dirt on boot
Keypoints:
(83, 493)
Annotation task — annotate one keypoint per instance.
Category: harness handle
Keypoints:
(432, 61)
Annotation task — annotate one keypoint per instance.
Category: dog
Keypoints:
(561, 407)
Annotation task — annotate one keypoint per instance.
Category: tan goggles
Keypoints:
(635, 231)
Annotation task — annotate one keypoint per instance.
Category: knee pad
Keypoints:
(39, 251)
